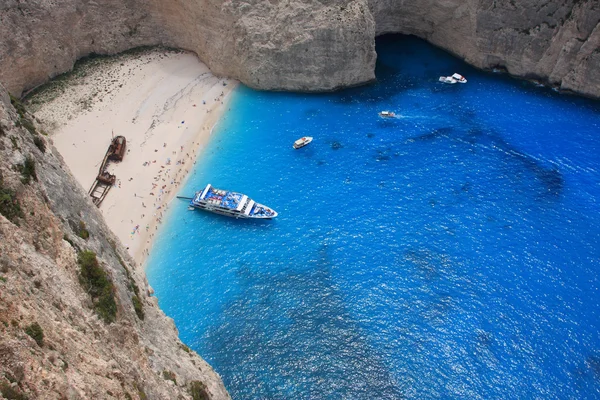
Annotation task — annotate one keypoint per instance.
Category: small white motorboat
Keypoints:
(455, 78)
(386, 114)
(448, 79)
(303, 141)
(459, 78)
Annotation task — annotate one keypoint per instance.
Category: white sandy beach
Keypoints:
(165, 103)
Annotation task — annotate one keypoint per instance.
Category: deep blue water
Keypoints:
(450, 253)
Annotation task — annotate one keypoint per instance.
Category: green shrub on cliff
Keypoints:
(137, 306)
(198, 391)
(170, 375)
(132, 286)
(83, 232)
(16, 103)
(36, 332)
(12, 393)
(28, 170)
(39, 143)
(24, 121)
(9, 205)
(97, 283)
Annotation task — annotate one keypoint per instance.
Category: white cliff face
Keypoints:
(304, 45)
(307, 45)
(276, 45)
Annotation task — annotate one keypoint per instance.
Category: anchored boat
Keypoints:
(455, 78)
(303, 141)
(386, 114)
(230, 204)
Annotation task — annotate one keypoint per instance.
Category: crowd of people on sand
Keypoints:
(168, 177)
(162, 186)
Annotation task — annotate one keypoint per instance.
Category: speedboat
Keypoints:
(459, 78)
(230, 204)
(386, 114)
(303, 141)
(448, 79)
(455, 78)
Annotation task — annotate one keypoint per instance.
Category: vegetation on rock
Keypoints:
(97, 283)
(24, 121)
(39, 143)
(132, 286)
(16, 103)
(170, 375)
(198, 391)
(137, 306)
(28, 170)
(83, 232)
(36, 332)
(11, 393)
(9, 205)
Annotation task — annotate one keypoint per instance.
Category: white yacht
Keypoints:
(303, 141)
(231, 204)
(455, 78)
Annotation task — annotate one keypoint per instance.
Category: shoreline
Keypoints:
(165, 102)
(202, 139)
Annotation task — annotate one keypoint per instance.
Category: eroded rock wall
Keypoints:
(42, 39)
(553, 41)
(308, 45)
(81, 356)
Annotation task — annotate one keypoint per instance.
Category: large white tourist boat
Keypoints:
(231, 204)
(303, 141)
(386, 114)
(455, 78)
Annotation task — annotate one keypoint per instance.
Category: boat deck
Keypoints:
(221, 198)
(229, 203)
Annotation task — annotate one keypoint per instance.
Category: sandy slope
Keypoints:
(165, 104)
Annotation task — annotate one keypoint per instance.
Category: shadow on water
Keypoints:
(433, 135)
(390, 83)
(550, 178)
(587, 375)
(426, 263)
(593, 363)
(385, 154)
(316, 349)
(335, 145)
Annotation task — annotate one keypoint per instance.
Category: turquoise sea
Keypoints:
(452, 252)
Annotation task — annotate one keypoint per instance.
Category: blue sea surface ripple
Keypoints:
(451, 252)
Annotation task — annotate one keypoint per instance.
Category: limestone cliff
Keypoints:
(553, 41)
(305, 44)
(57, 340)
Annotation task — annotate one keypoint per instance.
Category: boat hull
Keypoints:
(230, 214)
(230, 204)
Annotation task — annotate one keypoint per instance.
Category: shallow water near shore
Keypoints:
(451, 252)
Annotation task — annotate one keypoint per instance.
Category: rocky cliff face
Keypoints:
(553, 41)
(309, 44)
(42, 39)
(55, 342)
